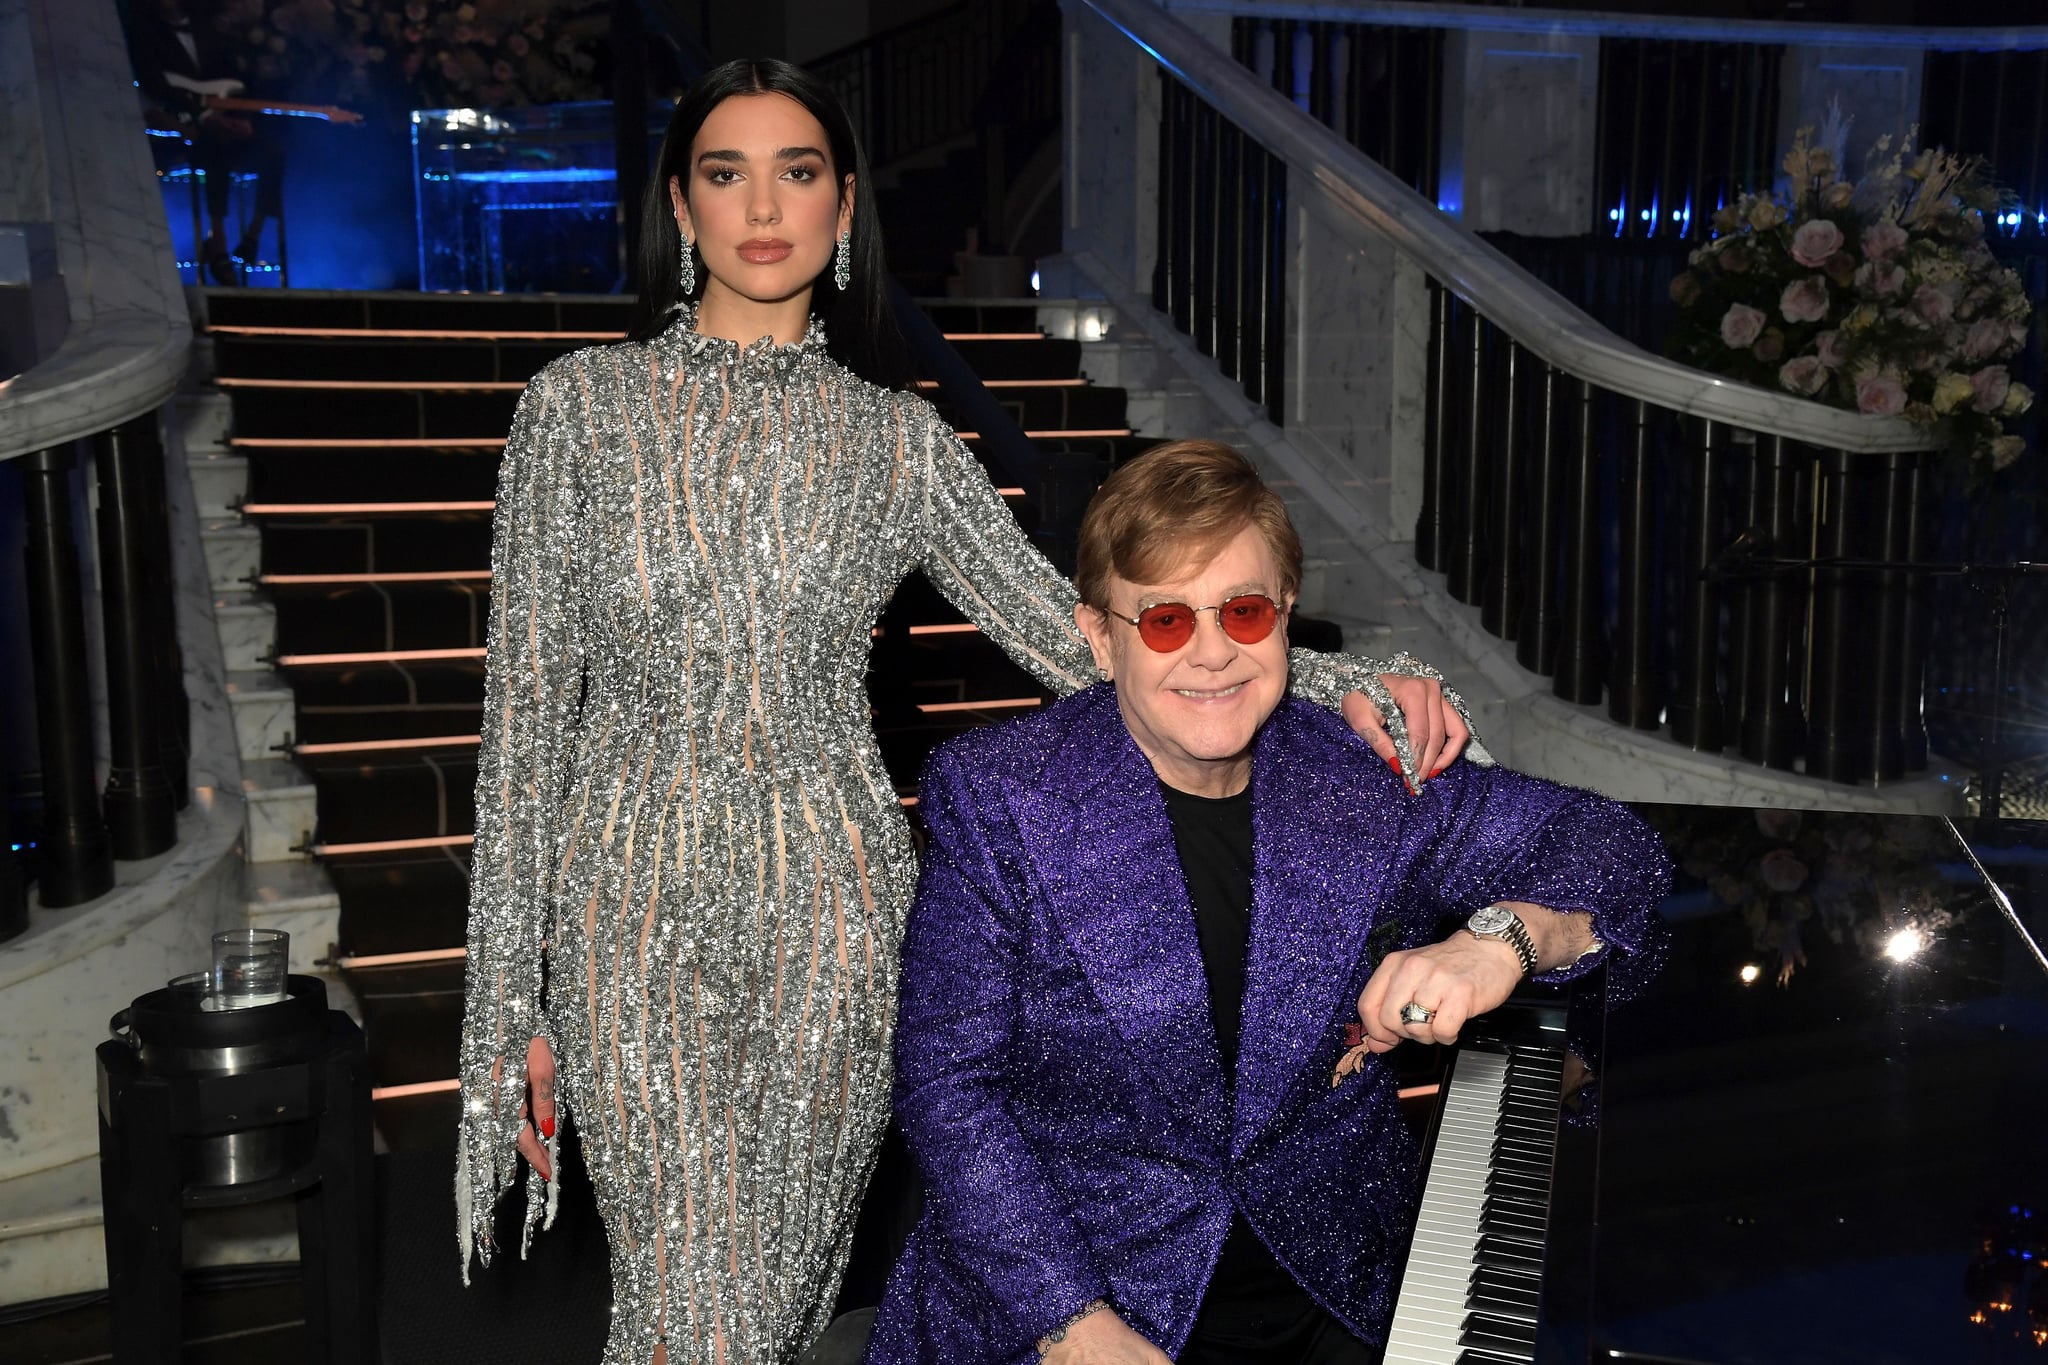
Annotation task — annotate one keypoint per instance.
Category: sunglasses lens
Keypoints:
(1167, 626)
(1248, 619)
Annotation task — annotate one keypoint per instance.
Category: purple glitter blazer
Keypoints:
(1056, 1072)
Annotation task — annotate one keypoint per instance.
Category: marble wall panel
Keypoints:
(1878, 88)
(1519, 127)
(1111, 146)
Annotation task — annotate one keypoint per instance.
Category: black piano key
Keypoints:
(1514, 1285)
(1507, 1309)
(1499, 1335)
(1511, 1222)
(1507, 1196)
(1478, 1356)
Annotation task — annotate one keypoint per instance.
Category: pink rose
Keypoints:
(1782, 871)
(1769, 346)
(1988, 388)
(1741, 325)
(1933, 304)
(1881, 277)
(1880, 394)
(1828, 346)
(1803, 375)
(1882, 241)
(1814, 242)
(1735, 260)
(1805, 300)
(1985, 339)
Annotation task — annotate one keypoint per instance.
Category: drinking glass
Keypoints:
(249, 967)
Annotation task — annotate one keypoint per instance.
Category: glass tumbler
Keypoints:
(249, 967)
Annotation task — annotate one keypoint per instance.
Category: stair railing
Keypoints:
(1577, 488)
(99, 336)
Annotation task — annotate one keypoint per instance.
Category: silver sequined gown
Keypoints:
(691, 869)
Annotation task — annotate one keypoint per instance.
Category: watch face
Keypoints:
(1493, 919)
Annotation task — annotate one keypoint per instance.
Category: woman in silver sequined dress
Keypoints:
(691, 868)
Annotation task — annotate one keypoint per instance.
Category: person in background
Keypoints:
(1166, 930)
(179, 60)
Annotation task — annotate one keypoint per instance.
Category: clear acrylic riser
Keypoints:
(520, 200)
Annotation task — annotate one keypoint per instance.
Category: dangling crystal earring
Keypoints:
(689, 270)
(842, 261)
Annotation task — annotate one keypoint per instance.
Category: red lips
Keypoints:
(765, 250)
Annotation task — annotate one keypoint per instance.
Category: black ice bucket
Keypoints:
(173, 1035)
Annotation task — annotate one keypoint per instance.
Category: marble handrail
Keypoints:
(1515, 301)
(125, 349)
(1587, 23)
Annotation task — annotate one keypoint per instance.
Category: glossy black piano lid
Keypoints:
(1823, 1131)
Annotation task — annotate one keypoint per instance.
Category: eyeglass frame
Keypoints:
(1280, 613)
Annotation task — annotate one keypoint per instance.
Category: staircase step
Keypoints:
(297, 896)
(220, 482)
(300, 476)
(233, 551)
(381, 795)
(300, 308)
(264, 711)
(355, 357)
(315, 617)
(282, 808)
(205, 421)
(375, 414)
(377, 544)
(248, 630)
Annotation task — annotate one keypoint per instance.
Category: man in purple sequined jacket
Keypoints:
(1165, 933)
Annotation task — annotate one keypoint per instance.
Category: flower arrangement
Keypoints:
(1879, 295)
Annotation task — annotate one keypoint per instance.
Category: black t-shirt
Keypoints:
(1251, 1300)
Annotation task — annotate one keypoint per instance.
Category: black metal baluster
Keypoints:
(77, 862)
(1889, 596)
(1465, 571)
(1202, 231)
(1581, 652)
(1919, 592)
(1431, 185)
(1251, 365)
(1277, 237)
(1632, 698)
(1537, 633)
(1840, 698)
(1697, 718)
(1773, 729)
(140, 812)
(1502, 598)
(1431, 532)
(1185, 198)
(1230, 242)
(1162, 264)
(1320, 72)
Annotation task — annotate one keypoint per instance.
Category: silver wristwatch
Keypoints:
(1498, 921)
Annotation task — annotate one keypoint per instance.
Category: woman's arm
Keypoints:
(1004, 1219)
(532, 685)
(979, 557)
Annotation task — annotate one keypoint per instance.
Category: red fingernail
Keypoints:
(1395, 764)
(547, 1128)
(1439, 770)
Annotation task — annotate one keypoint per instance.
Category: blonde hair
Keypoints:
(1177, 505)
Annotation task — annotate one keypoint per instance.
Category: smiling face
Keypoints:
(762, 202)
(1195, 710)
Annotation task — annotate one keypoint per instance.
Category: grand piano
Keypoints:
(1818, 1135)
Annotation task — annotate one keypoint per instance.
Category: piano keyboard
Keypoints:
(1474, 1276)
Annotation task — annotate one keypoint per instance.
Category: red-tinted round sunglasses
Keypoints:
(1166, 626)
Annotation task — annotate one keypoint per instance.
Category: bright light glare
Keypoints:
(1750, 972)
(1905, 944)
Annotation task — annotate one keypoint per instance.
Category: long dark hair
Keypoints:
(860, 330)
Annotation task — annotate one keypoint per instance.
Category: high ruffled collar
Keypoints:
(682, 335)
